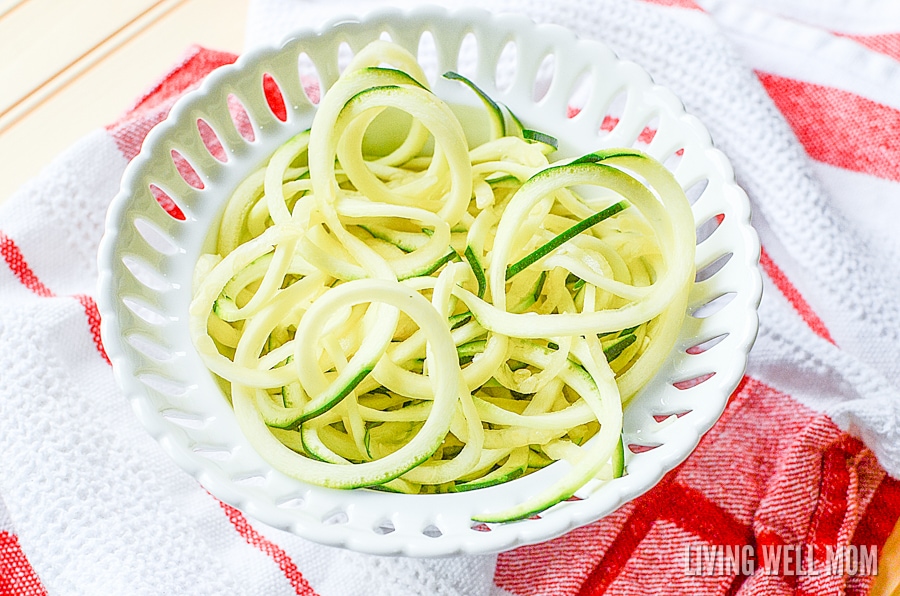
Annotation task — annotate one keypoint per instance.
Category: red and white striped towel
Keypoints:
(803, 96)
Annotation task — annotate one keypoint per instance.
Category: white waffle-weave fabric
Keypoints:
(804, 98)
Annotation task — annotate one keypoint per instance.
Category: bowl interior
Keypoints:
(578, 91)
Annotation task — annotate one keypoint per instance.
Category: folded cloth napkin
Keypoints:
(802, 95)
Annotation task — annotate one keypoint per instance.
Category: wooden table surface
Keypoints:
(67, 68)
(77, 66)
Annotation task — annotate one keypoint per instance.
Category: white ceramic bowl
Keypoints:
(146, 260)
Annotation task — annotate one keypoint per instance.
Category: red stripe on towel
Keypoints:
(275, 552)
(17, 576)
(676, 3)
(881, 514)
(887, 43)
(672, 501)
(129, 131)
(93, 317)
(793, 296)
(838, 127)
(16, 263)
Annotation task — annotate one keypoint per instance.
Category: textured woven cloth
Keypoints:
(804, 98)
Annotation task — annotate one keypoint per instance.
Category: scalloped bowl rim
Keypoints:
(431, 525)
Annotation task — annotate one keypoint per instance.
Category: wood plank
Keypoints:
(48, 36)
(887, 582)
(7, 5)
(104, 90)
(78, 66)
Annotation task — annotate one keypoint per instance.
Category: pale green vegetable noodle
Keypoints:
(421, 316)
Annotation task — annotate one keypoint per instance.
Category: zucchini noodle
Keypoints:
(410, 314)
